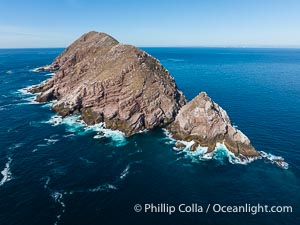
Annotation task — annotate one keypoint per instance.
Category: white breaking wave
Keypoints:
(168, 134)
(30, 99)
(25, 91)
(48, 104)
(6, 173)
(220, 153)
(188, 145)
(125, 172)
(54, 120)
(51, 141)
(143, 131)
(34, 69)
(104, 187)
(71, 122)
(98, 136)
(118, 138)
(48, 141)
(50, 74)
(278, 160)
(74, 124)
(175, 60)
(169, 138)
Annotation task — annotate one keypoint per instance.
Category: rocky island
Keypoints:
(129, 90)
(203, 121)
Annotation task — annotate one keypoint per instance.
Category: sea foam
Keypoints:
(58, 197)
(25, 90)
(6, 173)
(278, 160)
(104, 187)
(125, 172)
(220, 153)
(118, 138)
(27, 97)
(48, 104)
(50, 74)
(168, 137)
(75, 125)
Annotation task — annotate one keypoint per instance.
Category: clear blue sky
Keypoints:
(56, 23)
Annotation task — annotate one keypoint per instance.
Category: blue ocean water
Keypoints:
(57, 171)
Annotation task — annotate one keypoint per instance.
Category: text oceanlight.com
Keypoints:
(210, 208)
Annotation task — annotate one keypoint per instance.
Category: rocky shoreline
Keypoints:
(129, 90)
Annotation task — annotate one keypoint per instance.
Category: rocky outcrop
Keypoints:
(110, 82)
(129, 90)
(206, 123)
(51, 67)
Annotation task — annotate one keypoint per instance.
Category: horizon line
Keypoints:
(152, 46)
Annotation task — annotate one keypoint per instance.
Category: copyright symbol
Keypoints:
(137, 208)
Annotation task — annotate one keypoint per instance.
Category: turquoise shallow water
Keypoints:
(59, 172)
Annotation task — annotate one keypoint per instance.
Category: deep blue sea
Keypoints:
(56, 171)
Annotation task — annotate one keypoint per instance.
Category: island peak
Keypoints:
(118, 84)
(129, 90)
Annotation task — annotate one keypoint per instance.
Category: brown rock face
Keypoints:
(110, 82)
(129, 90)
(206, 123)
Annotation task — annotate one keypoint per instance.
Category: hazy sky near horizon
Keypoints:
(228, 23)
